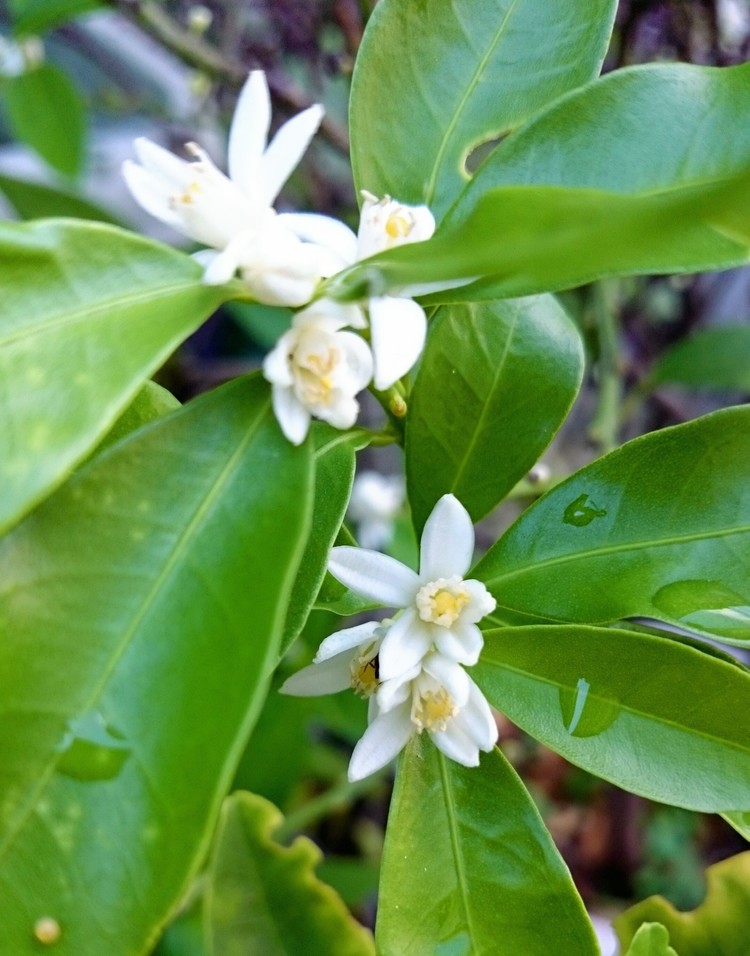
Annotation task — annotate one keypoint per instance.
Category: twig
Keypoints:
(193, 50)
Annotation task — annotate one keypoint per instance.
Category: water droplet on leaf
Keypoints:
(579, 513)
(584, 713)
(92, 749)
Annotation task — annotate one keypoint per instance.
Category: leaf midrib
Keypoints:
(455, 841)
(470, 87)
(94, 310)
(614, 549)
(631, 710)
(148, 602)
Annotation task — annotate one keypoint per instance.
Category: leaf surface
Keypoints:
(649, 714)
(141, 610)
(495, 383)
(658, 529)
(88, 313)
(469, 867)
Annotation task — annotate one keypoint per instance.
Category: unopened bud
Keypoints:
(47, 931)
(199, 19)
(397, 406)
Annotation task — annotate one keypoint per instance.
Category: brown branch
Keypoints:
(194, 51)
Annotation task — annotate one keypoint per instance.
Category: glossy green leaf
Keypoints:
(649, 714)
(528, 239)
(46, 111)
(265, 898)
(88, 313)
(36, 16)
(37, 200)
(740, 822)
(334, 474)
(652, 939)
(659, 528)
(642, 130)
(141, 609)
(152, 401)
(720, 925)
(712, 358)
(469, 867)
(495, 383)
(435, 79)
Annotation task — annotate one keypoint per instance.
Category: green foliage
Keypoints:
(436, 79)
(89, 312)
(529, 239)
(461, 840)
(652, 939)
(712, 358)
(163, 618)
(34, 200)
(718, 925)
(46, 111)
(597, 696)
(655, 529)
(495, 383)
(36, 16)
(255, 885)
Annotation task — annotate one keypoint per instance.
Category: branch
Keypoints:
(194, 51)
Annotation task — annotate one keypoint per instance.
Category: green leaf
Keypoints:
(659, 528)
(89, 312)
(652, 939)
(150, 403)
(36, 200)
(46, 111)
(526, 239)
(265, 898)
(469, 867)
(649, 714)
(740, 822)
(495, 383)
(141, 609)
(36, 16)
(435, 79)
(642, 130)
(334, 474)
(720, 925)
(712, 358)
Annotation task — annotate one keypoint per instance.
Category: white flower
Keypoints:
(234, 215)
(398, 325)
(386, 223)
(440, 608)
(348, 658)
(439, 697)
(435, 695)
(316, 369)
(375, 501)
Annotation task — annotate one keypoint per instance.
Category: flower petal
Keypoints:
(450, 675)
(456, 744)
(327, 678)
(461, 642)
(276, 368)
(325, 231)
(386, 737)
(223, 266)
(175, 173)
(374, 576)
(393, 692)
(358, 364)
(481, 603)
(447, 545)
(398, 328)
(151, 194)
(292, 416)
(248, 134)
(286, 149)
(405, 644)
(476, 719)
(345, 640)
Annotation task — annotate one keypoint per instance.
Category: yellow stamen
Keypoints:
(433, 709)
(398, 225)
(364, 671)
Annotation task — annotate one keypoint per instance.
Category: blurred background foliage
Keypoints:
(79, 79)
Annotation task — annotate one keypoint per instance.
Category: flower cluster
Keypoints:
(316, 368)
(411, 667)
